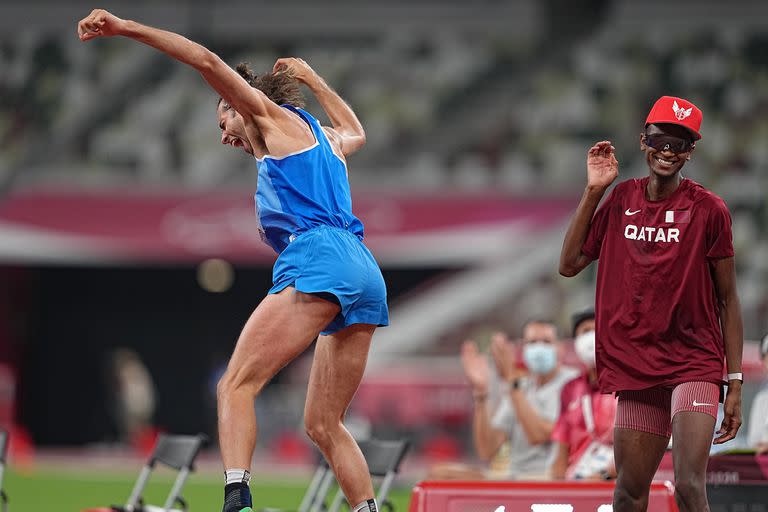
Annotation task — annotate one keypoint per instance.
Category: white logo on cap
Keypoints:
(681, 113)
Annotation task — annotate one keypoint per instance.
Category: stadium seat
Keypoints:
(175, 451)
(3, 452)
(383, 458)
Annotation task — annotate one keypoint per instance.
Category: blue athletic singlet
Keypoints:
(304, 208)
(303, 190)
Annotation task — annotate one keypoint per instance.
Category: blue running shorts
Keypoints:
(333, 260)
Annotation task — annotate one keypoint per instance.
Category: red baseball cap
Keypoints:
(672, 110)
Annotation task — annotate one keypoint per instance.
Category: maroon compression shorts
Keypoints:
(651, 410)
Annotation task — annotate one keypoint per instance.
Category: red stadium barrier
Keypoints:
(490, 496)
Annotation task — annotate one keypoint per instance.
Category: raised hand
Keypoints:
(602, 166)
(475, 366)
(296, 67)
(99, 23)
(504, 357)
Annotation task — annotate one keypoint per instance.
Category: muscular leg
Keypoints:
(637, 455)
(692, 434)
(336, 373)
(280, 329)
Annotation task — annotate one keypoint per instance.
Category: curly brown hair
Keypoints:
(282, 88)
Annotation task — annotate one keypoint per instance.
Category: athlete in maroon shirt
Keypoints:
(667, 310)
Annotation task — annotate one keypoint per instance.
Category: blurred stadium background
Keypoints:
(128, 249)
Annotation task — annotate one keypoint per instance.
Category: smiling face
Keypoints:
(667, 147)
(232, 128)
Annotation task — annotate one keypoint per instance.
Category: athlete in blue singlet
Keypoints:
(326, 284)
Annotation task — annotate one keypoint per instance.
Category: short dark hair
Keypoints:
(579, 317)
(540, 320)
(281, 87)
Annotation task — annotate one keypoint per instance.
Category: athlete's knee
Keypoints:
(322, 428)
(629, 498)
(239, 380)
(690, 488)
(624, 502)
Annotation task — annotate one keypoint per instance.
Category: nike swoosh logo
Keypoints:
(697, 404)
(630, 212)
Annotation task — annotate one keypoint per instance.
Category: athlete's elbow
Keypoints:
(353, 144)
(205, 61)
(360, 139)
(728, 301)
(568, 270)
(570, 265)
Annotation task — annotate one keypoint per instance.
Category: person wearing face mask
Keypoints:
(530, 401)
(757, 431)
(583, 432)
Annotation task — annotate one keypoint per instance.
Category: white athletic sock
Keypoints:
(237, 476)
(366, 506)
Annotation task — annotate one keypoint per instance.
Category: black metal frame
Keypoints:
(177, 452)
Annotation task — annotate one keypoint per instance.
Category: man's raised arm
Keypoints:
(602, 169)
(347, 129)
(224, 80)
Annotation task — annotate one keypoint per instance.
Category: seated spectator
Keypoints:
(584, 430)
(757, 430)
(528, 408)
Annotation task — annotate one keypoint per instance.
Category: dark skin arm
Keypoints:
(724, 274)
(602, 169)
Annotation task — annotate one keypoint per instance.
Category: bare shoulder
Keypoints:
(280, 134)
(275, 116)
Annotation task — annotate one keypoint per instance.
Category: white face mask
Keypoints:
(584, 345)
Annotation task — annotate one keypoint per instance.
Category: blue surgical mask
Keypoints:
(540, 357)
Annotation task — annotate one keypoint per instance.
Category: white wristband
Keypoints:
(736, 376)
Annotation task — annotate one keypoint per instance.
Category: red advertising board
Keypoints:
(489, 496)
(146, 226)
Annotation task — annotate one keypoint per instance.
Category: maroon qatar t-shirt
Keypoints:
(658, 321)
